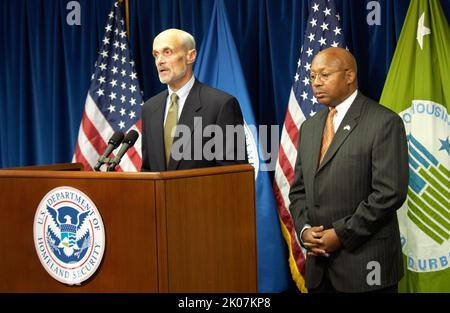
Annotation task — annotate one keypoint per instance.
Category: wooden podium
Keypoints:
(181, 231)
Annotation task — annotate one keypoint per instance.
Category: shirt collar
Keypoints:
(345, 105)
(183, 91)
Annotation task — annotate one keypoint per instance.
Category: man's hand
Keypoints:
(330, 241)
(312, 240)
(320, 242)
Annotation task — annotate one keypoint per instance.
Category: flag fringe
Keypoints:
(296, 275)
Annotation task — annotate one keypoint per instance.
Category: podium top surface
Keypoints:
(36, 172)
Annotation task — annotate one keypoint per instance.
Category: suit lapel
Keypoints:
(347, 125)
(190, 109)
(157, 129)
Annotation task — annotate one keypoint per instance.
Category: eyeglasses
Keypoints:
(324, 76)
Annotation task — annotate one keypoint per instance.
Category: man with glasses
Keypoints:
(351, 176)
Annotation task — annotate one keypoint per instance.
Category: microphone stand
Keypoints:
(103, 161)
(110, 168)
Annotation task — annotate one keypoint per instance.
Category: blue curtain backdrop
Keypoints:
(46, 64)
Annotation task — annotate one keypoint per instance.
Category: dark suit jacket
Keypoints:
(357, 189)
(214, 107)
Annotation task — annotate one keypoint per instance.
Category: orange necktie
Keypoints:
(328, 133)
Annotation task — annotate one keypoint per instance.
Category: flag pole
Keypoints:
(127, 16)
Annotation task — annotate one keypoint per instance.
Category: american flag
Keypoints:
(114, 99)
(323, 31)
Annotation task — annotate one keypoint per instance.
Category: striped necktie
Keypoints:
(328, 133)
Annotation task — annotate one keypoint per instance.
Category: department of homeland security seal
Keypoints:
(68, 235)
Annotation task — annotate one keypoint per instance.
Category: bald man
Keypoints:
(351, 176)
(189, 125)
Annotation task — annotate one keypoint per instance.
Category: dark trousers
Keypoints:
(326, 286)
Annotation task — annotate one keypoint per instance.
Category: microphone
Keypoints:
(128, 142)
(113, 143)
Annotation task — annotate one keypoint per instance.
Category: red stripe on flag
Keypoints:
(139, 126)
(93, 135)
(285, 165)
(135, 158)
(79, 157)
(291, 128)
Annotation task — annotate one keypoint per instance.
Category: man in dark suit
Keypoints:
(189, 125)
(351, 175)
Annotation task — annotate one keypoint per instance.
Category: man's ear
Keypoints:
(191, 56)
(350, 76)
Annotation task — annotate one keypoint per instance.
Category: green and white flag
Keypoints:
(418, 89)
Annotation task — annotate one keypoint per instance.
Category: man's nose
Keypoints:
(316, 81)
(160, 59)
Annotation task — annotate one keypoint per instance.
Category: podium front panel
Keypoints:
(211, 233)
(127, 207)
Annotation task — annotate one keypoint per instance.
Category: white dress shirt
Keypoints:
(182, 94)
(341, 110)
